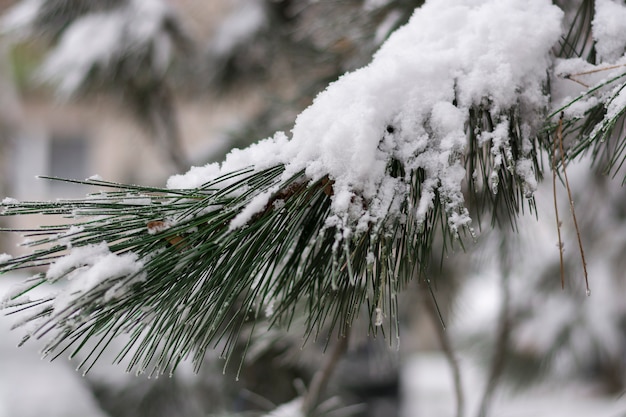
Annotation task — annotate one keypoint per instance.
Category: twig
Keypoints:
(571, 204)
(321, 377)
(593, 71)
(556, 206)
(159, 116)
(571, 77)
(448, 350)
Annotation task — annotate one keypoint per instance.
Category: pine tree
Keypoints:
(453, 116)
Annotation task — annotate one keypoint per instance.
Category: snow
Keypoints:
(19, 18)
(609, 29)
(581, 86)
(88, 266)
(8, 201)
(450, 56)
(96, 40)
(617, 105)
(66, 237)
(90, 41)
(240, 26)
(290, 409)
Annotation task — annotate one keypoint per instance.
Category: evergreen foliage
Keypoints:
(200, 281)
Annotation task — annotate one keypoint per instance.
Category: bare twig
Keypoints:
(571, 204)
(556, 206)
(162, 122)
(448, 350)
(321, 377)
(572, 77)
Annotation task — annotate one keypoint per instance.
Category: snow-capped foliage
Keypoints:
(87, 267)
(97, 42)
(609, 29)
(411, 105)
(20, 19)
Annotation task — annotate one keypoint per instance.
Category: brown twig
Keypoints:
(556, 206)
(448, 351)
(593, 71)
(321, 377)
(571, 204)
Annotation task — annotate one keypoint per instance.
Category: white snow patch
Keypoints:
(90, 41)
(9, 201)
(290, 409)
(96, 40)
(88, 266)
(18, 20)
(609, 29)
(65, 238)
(617, 105)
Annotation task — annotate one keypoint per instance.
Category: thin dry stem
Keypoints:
(321, 377)
(556, 206)
(571, 204)
(572, 77)
(448, 350)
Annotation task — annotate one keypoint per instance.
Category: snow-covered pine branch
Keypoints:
(336, 215)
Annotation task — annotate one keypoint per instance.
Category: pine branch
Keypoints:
(600, 128)
(197, 281)
(183, 270)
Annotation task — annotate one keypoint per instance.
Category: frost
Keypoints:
(5, 257)
(609, 29)
(410, 104)
(95, 177)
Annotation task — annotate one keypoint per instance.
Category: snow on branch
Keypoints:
(412, 104)
(338, 214)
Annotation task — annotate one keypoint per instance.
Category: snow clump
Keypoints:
(411, 105)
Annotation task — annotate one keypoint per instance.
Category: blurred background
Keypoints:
(135, 91)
